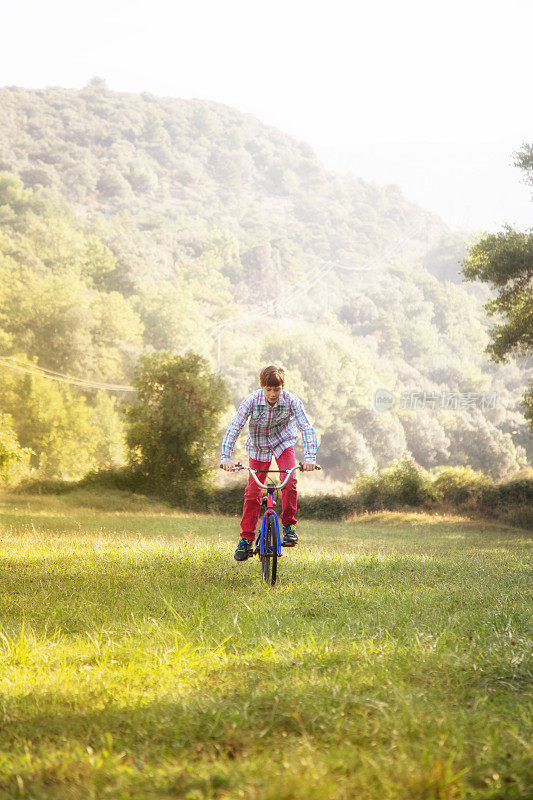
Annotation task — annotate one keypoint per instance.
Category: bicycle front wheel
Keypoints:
(269, 561)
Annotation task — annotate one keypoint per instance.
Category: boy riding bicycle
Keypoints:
(275, 415)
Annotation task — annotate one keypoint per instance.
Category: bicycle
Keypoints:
(268, 541)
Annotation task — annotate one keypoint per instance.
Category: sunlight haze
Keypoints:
(338, 75)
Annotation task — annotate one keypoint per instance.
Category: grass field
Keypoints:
(139, 660)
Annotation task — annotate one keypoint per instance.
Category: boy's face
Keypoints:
(272, 393)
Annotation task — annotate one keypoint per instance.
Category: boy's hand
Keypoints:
(227, 465)
(307, 466)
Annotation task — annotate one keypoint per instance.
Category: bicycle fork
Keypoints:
(262, 535)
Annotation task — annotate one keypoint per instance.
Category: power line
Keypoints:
(51, 372)
(41, 372)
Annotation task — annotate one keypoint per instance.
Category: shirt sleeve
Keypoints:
(308, 432)
(234, 428)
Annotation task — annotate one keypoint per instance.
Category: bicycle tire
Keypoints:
(269, 562)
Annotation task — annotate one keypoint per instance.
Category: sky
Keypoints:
(363, 83)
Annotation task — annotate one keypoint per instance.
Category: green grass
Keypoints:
(139, 660)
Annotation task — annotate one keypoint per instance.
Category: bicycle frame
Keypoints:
(268, 511)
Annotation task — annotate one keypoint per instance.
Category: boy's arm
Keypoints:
(308, 432)
(234, 428)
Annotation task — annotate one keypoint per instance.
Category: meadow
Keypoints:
(139, 660)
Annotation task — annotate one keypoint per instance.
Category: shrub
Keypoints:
(328, 506)
(229, 500)
(501, 496)
(124, 478)
(458, 485)
(38, 486)
(405, 483)
(225, 500)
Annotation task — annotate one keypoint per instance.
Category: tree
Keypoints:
(108, 441)
(383, 433)
(65, 436)
(426, 438)
(173, 425)
(524, 160)
(480, 444)
(343, 451)
(505, 260)
(14, 459)
(57, 297)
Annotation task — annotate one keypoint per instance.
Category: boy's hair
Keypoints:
(273, 375)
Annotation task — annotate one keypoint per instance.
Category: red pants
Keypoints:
(253, 493)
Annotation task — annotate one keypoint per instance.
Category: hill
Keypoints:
(155, 223)
(129, 154)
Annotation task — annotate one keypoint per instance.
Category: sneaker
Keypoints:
(290, 539)
(244, 550)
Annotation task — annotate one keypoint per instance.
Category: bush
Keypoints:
(510, 501)
(226, 500)
(45, 486)
(123, 478)
(509, 493)
(229, 500)
(403, 484)
(515, 492)
(458, 485)
(328, 506)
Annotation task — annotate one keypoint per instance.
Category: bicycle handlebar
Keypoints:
(253, 472)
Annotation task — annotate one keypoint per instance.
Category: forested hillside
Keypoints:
(131, 223)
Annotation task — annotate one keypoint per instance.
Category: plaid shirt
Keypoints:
(272, 428)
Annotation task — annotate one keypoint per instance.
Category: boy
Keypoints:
(274, 415)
